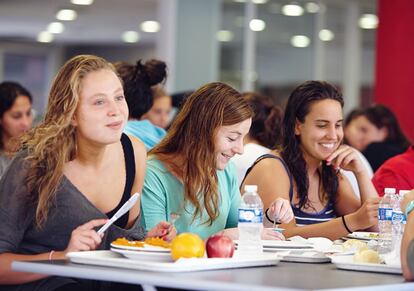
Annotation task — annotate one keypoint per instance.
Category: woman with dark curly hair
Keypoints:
(139, 80)
(264, 134)
(307, 170)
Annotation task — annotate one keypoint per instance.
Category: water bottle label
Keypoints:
(250, 215)
(385, 214)
(397, 217)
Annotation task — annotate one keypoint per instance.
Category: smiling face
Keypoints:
(18, 119)
(102, 111)
(321, 132)
(159, 114)
(360, 132)
(229, 141)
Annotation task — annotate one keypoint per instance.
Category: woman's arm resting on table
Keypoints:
(83, 238)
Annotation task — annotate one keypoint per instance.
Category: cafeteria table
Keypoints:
(284, 276)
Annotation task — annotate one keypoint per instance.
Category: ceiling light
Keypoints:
(45, 36)
(257, 25)
(66, 14)
(130, 36)
(368, 21)
(300, 41)
(312, 7)
(259, 1)
(326, 35)
(224, 35)
(150, 26)
(292, 10)
(81, 2)
(55, 27)
(239, 1)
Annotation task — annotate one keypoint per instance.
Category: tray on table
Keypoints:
(112, 259)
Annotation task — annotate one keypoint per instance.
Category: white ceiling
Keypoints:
(101, 23)
(105, 20)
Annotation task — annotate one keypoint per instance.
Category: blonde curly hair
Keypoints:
(52, 143)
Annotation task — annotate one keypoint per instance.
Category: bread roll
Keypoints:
(367, 256)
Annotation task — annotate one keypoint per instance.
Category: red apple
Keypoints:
(219, 246)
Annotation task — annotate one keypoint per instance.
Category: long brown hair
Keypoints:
(53, 142)
(192, 136)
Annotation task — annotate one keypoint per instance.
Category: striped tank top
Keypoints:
(302, 217)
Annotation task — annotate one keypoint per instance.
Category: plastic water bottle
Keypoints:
(384, 221)
(398, 222)
(250, 222)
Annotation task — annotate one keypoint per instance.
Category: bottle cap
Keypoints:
(250, 188)
(403, 192)
(390, 191)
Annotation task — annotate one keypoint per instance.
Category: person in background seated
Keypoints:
(160, 112)
(407, 244)
(375, 132)
(190, 175)
(264, 134)
(138, 81)
(354, 136)
(72, 173)
(397, 172)
(15, 119)
(306, 170)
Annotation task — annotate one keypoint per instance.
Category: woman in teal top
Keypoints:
(189, 175)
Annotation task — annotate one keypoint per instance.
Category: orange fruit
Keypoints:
(187, 245)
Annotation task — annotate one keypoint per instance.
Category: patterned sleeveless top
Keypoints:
(302, 217)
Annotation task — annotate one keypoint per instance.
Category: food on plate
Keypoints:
(187, 245)
(354, 245)
(129, 243)
(219, 246)
(367, 256)
(153, 241)
(373, 235)
(158, 242)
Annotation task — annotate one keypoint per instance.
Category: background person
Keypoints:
(74, 170)
(397, 172)
(306, 170)
(354, 136)
(264, 134)
(190, 173)
(138, 80)
(16, 118)
(161, 110)
(375, 132)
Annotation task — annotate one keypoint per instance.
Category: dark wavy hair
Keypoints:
(267, 120)
(381, 116)
(297, 108)
(138, 81)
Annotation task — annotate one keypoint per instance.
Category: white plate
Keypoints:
(111, 259)
(363, 235)
(283, 245)
(304, 256)
(144, 256)
(347, 263)
(145, 248)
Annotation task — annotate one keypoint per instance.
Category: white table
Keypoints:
(284, 276)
